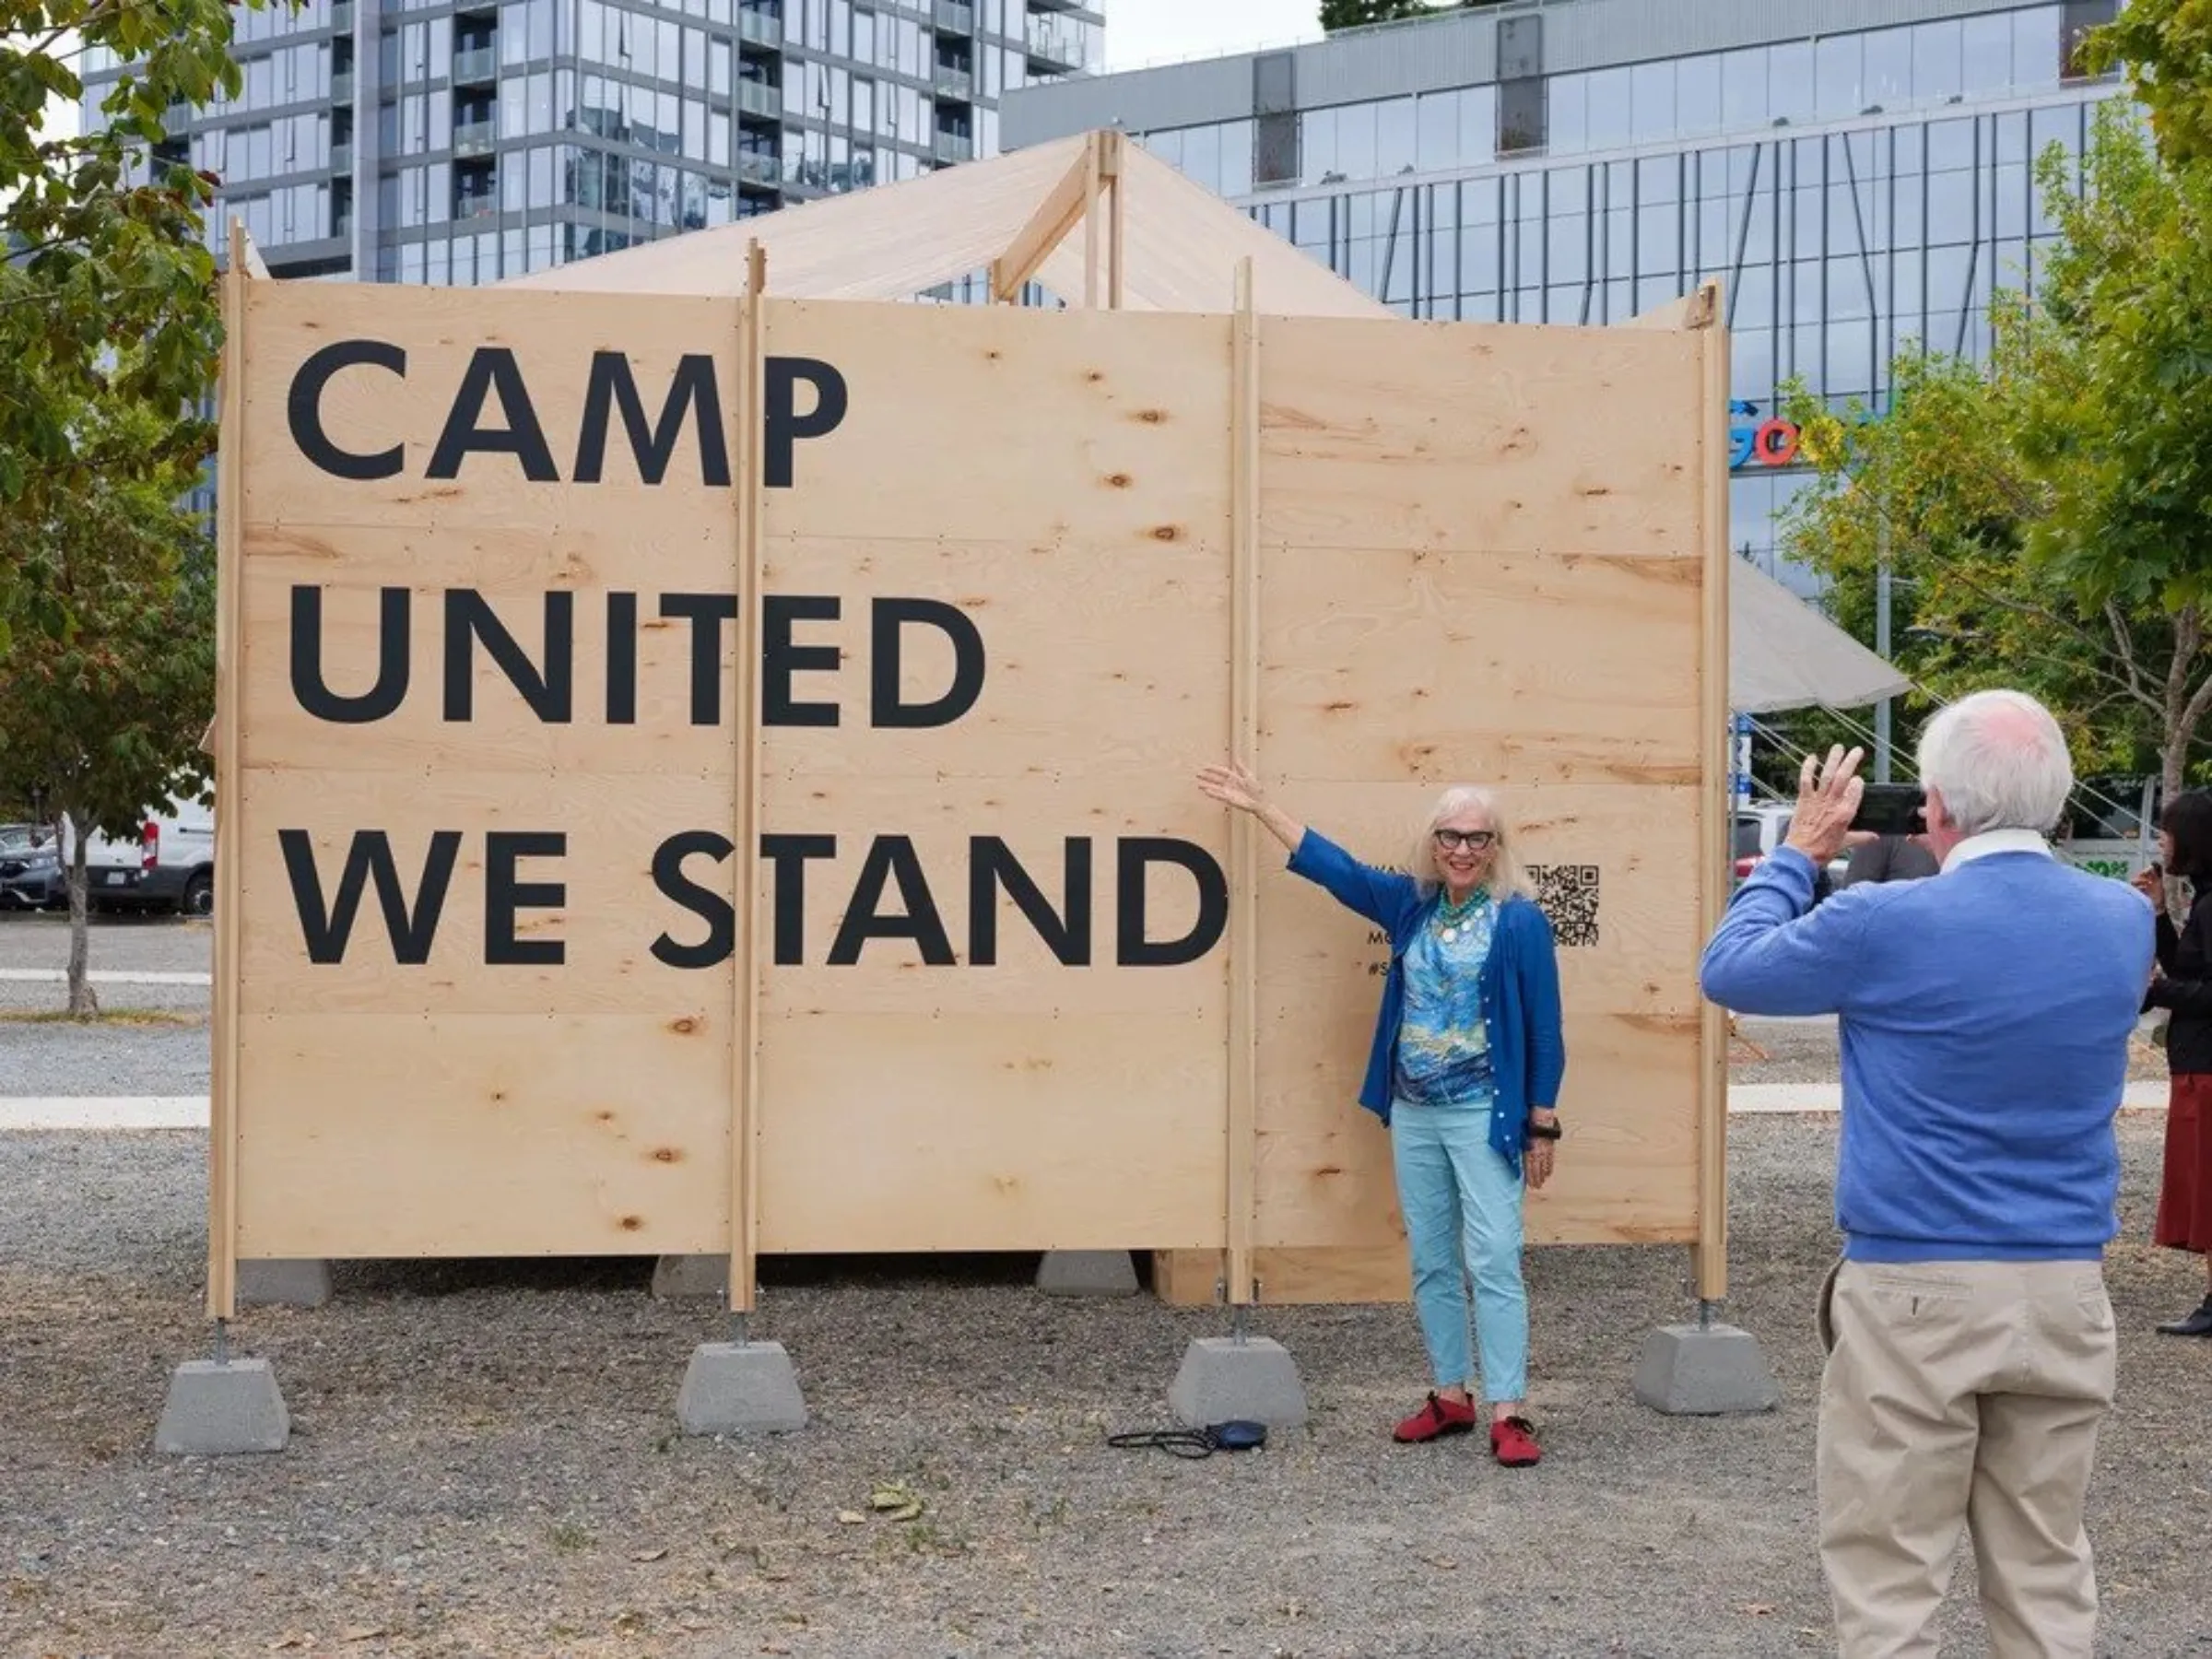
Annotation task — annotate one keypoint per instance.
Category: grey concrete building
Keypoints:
(459, 141)
(1858, 172)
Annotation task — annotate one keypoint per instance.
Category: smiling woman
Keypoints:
(1465, 1069)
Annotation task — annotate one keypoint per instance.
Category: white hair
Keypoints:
(1999, 761)
(1505, 879)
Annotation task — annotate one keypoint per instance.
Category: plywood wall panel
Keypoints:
(1420, 435)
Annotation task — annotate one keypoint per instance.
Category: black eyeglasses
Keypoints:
(1476, 838)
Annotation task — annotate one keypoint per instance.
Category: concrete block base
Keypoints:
(284, 1281)
(1704, 1371)
(685, 1277)
(740, 1388)
(1087, 1273)
(219, 1410)
(1221, 1379)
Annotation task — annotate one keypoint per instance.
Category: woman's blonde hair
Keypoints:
(1506, 879)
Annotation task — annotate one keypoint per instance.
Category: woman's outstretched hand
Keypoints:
(1232, 786)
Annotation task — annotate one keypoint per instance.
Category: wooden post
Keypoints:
(230, 786)
(1091, 174)
(1243, 863)
(1710, 1255)
(745, 964)
(1115, 218)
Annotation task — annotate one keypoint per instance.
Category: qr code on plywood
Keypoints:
(1567, 895)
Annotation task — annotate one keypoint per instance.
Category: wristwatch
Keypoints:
(1543, 1131)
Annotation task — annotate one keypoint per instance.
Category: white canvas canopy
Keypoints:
(1784, 654)
(1097, 220)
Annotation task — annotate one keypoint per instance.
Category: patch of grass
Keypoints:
(111, 1017)
(568, 1536)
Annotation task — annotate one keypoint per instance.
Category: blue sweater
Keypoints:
(1520, 988)
(1985, 1017)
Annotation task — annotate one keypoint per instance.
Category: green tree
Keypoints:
(2046, 521)
(99, 255)
(1358, 14)
(101, 716)
(2166, 48)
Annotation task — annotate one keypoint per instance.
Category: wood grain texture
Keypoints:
(910, 1131)
(1379, 663)
(948, 407)
(1420, 435)
(475, 1134)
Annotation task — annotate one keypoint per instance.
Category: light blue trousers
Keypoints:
(1457, 1194)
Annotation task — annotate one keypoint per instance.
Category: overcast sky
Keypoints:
(1145, 31)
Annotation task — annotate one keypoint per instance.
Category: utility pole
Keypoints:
(1881, 640)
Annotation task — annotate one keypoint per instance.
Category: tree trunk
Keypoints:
(83, 1004)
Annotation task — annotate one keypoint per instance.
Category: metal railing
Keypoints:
(476, 64)
(953, 147)
(952, 83)
(758, 97)
(757, 168)
(955, 17)
(761, 29)
(474, 138)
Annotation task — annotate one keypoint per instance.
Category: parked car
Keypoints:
(30, 868)
(1760, 830)
(2112, 825)
(170, 865)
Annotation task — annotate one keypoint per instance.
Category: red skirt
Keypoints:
(2186, 1200)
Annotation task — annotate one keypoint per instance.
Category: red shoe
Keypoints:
(1439, 1418)
(1514, 1443)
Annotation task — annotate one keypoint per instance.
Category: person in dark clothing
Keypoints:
(2183, 987)
(1890, 858)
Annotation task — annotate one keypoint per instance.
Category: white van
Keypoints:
(170, 865)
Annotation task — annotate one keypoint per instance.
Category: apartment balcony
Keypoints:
(1062, 44)
(341, 13)
(949, 147)
(956, 16)
(341, 86)
(952, 83)
(754, 167)
(476, 203)
(758, 97)
(477, 66)
(341, 158)
(474, 138)
(760, 29)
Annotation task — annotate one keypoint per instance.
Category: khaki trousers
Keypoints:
(1962, 1394)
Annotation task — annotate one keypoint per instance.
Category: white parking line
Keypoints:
(103, 1111)
(190, 1111)
(56, 976)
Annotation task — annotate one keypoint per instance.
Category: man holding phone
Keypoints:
(1985, 1017)
(1886, 844)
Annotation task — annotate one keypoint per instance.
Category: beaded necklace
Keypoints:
(1450, 920)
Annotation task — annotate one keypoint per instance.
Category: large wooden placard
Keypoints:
(703, 756)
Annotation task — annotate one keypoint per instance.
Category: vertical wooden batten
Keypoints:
(744, 967)
(1711, 1249)
(230, 784)
(1093, 172)
(1243, 914)
(1116, 179)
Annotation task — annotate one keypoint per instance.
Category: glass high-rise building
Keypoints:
(1857, 171)
(461, 141)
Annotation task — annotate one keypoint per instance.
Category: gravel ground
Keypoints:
(483, 1460)
(122, 1055)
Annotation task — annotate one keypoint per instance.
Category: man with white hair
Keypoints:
(1984, 1016)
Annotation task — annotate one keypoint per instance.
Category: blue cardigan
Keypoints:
(1520, 988)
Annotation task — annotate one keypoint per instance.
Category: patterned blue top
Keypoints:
(1443, 1042)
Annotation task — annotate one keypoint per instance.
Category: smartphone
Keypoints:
(1889, 809)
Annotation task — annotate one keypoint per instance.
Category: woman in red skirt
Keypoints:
(2184, 986)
